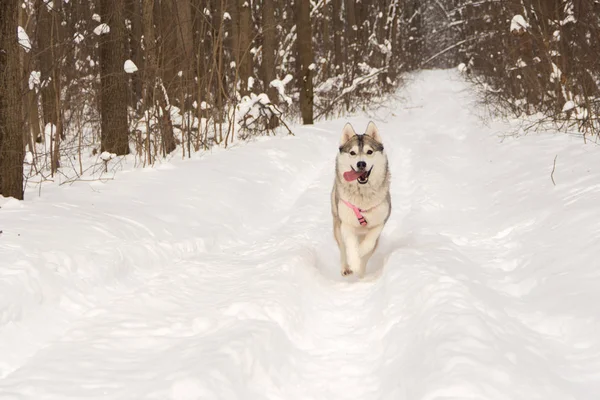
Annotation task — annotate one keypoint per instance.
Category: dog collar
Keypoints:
(357, 212)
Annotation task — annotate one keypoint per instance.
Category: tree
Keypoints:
(305, 58)
(338, 32)
(155, 90)
(269, 48)
(113, 82)
(47, 40)
(11, 128)
(245, 42)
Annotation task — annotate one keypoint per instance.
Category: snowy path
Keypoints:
(171, 284)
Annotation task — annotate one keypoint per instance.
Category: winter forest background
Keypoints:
(84, 82)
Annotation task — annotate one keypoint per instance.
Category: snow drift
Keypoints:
(218, 278)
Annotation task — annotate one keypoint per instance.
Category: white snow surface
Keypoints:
(280, 84)
(35, 78)
(130, 67)
(218, 277)
(23, 38)
(518, 23)
(102, 29)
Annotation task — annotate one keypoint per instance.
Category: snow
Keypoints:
(34, 79)
(556, 36)
(102, 29)
(518, 24)
(226, 16)
(23, 39)
(218, 277)
(96, 17)
(78, 37)
(49, 129)
(279, 84)
(130, 67)
(252, 107)
(569, 105)
(107, 156)
(568, 19)
(28, 159)
(556, 73)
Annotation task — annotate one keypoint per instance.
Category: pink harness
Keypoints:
(357, 212)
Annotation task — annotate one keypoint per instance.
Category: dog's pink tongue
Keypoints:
(351, 175)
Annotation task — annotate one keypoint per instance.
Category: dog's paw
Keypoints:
(347, 271)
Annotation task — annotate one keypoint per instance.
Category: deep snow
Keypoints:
(218, 278)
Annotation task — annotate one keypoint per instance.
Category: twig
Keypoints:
(357, 82)
(553, 168)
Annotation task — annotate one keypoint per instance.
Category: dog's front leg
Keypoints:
(367, 246)
(337, 232)
(351, 244)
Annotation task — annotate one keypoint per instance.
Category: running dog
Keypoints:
(360, 199)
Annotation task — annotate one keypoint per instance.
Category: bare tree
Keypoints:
(269, 30)
(134, 15)
(113, 82)
(338, 33)
(11, 127)
(305, 61)
(245, 40)
(48, 38)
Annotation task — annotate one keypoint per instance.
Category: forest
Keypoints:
(96, 80)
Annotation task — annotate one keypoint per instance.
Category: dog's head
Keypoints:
(361, 155)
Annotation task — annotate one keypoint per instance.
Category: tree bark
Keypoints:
(47, 38)
(351, 35)
(185, 38)
(268, 53)
(113, 82)
(134, 14)
(245, 57)
(11, 127)
(305, 58)
(338, 32)
(155, 89)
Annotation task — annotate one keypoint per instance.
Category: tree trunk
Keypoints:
(156, 91)
(393, 59)
(269, 28)
(244, 42)
(165, 18)
(351, 35)
(185, 38)
(11, 127)
(47, 62)
(113, 82)
(134, 14)
(338, 32)
(47, 38)
(200, 44)
(305, 58)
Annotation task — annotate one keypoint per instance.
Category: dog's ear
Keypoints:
(373, 132)
(347, 133)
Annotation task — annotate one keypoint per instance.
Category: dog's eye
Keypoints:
(352, 153)
(370, 152)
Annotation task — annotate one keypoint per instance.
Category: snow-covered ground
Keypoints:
(218, 278)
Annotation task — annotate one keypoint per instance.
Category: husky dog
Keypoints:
(360, 199)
